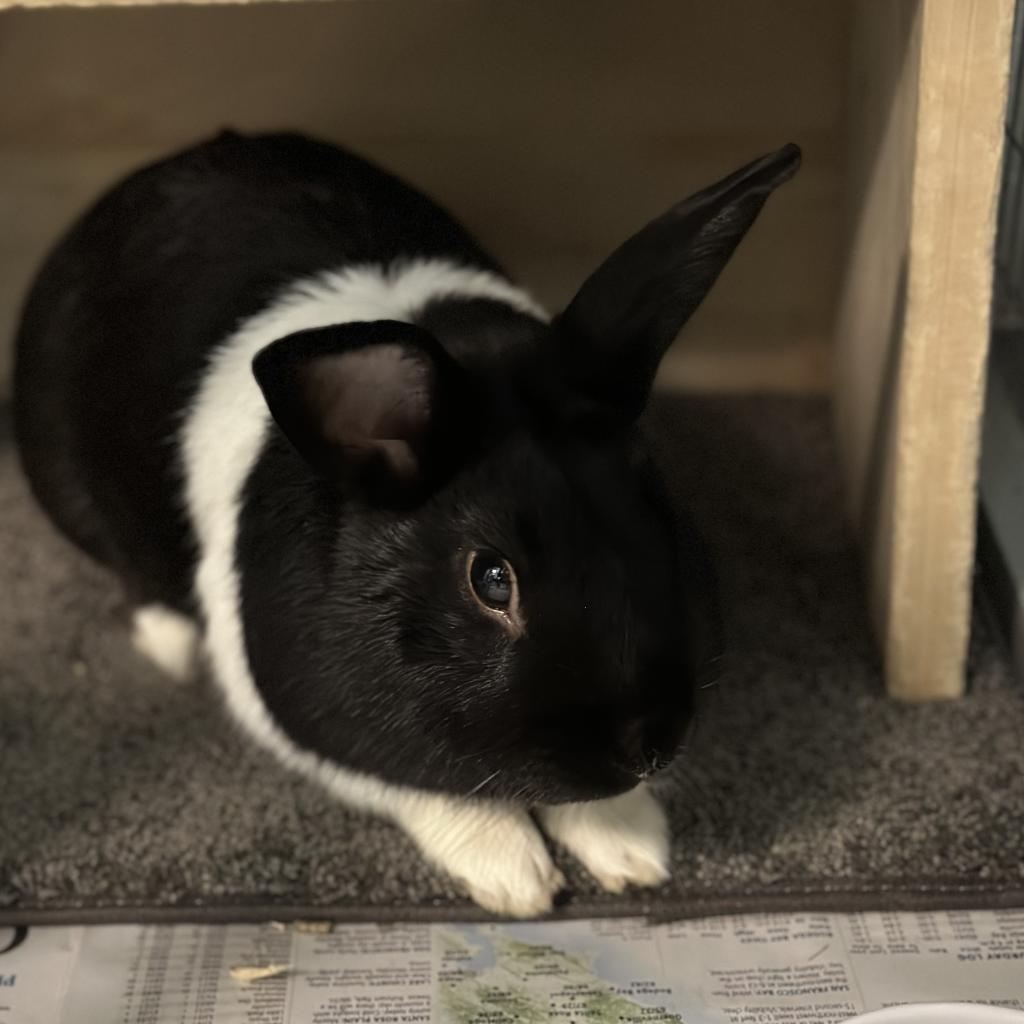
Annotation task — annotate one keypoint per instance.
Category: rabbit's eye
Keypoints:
(492, 582)
(492, 579)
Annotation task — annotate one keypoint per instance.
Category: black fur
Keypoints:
(121, 318)
(477, 427)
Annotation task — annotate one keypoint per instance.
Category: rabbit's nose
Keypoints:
(638, 753)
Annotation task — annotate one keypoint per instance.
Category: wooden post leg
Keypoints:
(914, 324)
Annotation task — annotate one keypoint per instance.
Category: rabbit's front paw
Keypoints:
(622, 841)
(494, 850)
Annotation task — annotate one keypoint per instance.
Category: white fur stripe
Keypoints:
(222, 438)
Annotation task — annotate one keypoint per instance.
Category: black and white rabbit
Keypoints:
(299, 411)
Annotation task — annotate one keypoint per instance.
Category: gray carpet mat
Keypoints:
(126, 797)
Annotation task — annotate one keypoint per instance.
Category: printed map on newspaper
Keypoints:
(758, 969)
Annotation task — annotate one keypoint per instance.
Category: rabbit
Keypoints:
(409, 520)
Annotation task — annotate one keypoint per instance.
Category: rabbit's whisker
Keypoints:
(480, 785)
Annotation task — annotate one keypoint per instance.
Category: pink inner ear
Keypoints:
(375, 399)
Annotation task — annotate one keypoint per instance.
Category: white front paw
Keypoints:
(622, 841)
(493, 849)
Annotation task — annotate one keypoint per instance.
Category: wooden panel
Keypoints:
(552, 129)
(913, 327)
(33, 4)
(880, 157)
(965, 52)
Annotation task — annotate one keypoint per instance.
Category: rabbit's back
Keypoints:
(121, 320)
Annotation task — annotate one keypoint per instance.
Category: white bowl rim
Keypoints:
(940, 1013)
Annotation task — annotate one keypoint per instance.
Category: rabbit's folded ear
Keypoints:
(377, 405)
(616, 330)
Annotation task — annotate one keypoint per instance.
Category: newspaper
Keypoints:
(758, 969)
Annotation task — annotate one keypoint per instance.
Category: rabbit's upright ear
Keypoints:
(378, 405)
(614, 333)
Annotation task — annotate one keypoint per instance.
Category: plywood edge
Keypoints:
(885, 50)
(882, 118)
(961, 96)
(99, 4)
